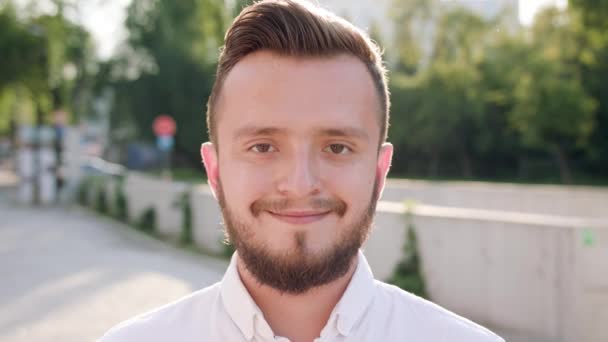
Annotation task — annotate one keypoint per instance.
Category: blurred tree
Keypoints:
(239, 5)
(437, 109)
(443, 104)
(167, 68)
(460, 37)
(411, 18)
(46, 60)
(70, 62)
(22, 69)
(594, 73)
(497, 145)
(493, 95)
(22, 50)
(552, 111)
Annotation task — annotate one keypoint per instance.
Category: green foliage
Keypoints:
(23, 51)
(593, 59)
(489, 100)
(408, 274)
(228, 249)
(147, 221)
(186, 207)
(101, 202)
(46, 64)
(120, 202)
(168, 69)
(82, 193)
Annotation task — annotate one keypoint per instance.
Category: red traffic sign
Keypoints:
(164, 125)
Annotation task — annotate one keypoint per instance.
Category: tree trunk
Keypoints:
(562, 162)
(467, 167)
(465, 161)
(523, 170)
(433, 171)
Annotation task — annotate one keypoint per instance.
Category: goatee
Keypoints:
(297, 271)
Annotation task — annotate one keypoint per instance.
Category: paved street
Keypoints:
(69, 275)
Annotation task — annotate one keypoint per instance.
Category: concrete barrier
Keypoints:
(580, 201)
(207, 231)
(524, 272)
(543, 276)
(144, 192)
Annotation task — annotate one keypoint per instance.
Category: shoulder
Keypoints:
(169, 322)
(429, 319)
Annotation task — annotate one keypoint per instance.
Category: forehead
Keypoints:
(267, 89)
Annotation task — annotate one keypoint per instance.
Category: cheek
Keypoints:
(353, 186)
(243, 184)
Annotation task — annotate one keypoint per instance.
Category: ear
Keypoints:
(383, 165)
(209, 155)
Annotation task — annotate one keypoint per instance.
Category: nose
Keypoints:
(299, 177)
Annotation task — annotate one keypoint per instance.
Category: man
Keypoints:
(298, 120)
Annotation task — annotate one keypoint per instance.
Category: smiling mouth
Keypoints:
(299, 217)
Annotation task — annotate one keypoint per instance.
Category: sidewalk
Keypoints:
(69, 275)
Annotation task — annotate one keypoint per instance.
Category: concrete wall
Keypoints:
(145, 192)
(207, 231)
(534, 274)
(540, 199)
(540, 276)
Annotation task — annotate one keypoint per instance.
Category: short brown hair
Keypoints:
(296, 28)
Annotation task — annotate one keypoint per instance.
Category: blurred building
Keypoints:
(375, 14)
(489, 9)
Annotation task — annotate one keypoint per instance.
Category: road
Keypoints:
(69, 275)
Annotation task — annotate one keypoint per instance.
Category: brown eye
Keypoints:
(338, 149)
(262, 148)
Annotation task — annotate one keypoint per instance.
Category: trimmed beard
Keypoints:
(297, 271)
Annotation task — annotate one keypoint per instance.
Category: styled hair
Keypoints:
(296, 28)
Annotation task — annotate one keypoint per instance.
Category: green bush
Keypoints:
(228, 249)
(186, 207)
(407, 274)
(82, 194)
(147, 221)
(120, 202)
(101, 202)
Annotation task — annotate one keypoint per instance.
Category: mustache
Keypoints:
(324, 204)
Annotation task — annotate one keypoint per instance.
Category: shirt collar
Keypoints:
(351, 307)
(357, 297)
(237, 300)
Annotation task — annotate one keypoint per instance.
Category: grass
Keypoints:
(187, 175)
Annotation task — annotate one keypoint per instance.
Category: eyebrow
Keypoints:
(344, 132)
(252, 131)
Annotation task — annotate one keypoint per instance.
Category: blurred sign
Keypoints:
(164, 142)
(164, 125)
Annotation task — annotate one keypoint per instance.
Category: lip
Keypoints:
(299, 217)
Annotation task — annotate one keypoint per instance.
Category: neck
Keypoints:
(297, 317)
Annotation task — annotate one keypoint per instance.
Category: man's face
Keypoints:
(296, 168)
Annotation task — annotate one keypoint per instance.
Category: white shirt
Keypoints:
(369, 310)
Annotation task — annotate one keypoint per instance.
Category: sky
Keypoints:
(104, 18)
(528, 8)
